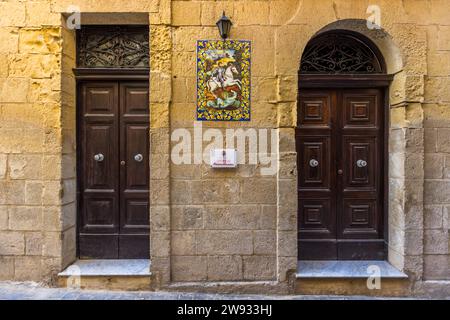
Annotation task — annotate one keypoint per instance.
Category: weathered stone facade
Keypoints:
(210, 225)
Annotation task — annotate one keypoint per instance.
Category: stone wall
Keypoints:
(212, 225)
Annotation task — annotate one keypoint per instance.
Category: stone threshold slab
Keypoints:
(346, 269)
(108, 267)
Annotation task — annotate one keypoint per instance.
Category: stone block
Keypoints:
(159, 192)
(211, 12)
(436, 90)
(160, 243)
(443, 140)
(186, 192)
(25, 218)
(224, 268)
(52, 244)
(69, 247)
(6, 268)
(40, 41)
(444, 38)
(52, 193)
(413, 242)
(433, 217)
(36, 66)
(3, 165)
(159, 115)
(287, 243)
(3, 218)
(189, 268)
(9, 40)
(12, 243)
(287, 217)
(187, 217)
(33, 243)
(68, 215)
(282, 11)
(434, 165)
(159, 166)
(232, 217)
(251, 13)
(183, 243)
(268, 217)
(14, 89)
(51, 218)
(436, 241)
(287, 114)
(263, 191)
(260, 267)
(264, 89)
(218, 242)
(430, 140)
(436, 267)
(33, 192)
(14, 13)
(186, 13)
(438, 64)
(39, 13)
(69, 187)
(437, 192)
(13, 192)
(160, 218)
(220, 191)
(27, 268)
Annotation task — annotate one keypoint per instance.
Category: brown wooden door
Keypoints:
(340, 161)
(113, 150)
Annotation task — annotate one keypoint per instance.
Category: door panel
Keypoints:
(316, 181)
(315, 158)
(113, 204)
(340, 194)
(134, 177)
(360, 162)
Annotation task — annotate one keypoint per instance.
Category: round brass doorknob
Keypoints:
(340, 171)
(122, 163)
(139, 157)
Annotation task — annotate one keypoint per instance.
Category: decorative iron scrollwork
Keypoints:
(113, 47)
(338, 53)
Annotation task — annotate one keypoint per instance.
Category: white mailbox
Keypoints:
(223, 158)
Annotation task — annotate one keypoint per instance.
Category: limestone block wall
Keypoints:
(31, 174)
(437, 154)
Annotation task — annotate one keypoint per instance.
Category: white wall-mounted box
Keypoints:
(223, 158)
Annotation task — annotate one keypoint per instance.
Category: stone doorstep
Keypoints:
(108, 267)
(126, 274)
(345, 269)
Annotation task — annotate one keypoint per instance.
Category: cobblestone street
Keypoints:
(34, 291)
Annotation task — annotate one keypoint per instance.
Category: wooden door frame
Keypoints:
(354, 81)
(97, 74)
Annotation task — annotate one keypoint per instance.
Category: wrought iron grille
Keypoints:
(113, 47)
(339, 54)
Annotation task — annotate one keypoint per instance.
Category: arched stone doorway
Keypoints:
(341, 144)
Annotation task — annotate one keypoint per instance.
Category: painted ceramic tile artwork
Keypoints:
(223, 80)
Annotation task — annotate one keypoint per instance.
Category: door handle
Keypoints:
(313, 163)
(138, 157)
(99, 157)
(361, 163)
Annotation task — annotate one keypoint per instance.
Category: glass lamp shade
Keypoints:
(224, 24)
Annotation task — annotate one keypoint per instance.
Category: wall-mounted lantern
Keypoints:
(224, 24)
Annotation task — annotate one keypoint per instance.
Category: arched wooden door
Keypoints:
(341, 150)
